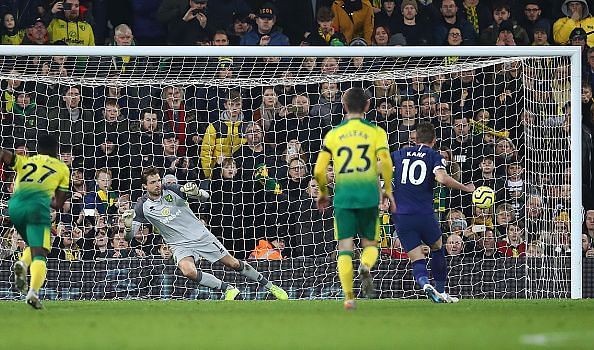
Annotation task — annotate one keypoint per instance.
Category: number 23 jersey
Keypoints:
(40, 173)
(354, 145)
(414, 178)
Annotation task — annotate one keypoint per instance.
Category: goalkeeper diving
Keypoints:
(166, 208)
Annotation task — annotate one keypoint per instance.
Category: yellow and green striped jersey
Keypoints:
(40, 173)
(354, 145)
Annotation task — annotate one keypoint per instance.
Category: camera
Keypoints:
(67, 6)
(197, 11)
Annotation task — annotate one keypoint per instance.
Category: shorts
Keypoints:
(414, 230)
(353, 222)
(207, 247)
(30, 214)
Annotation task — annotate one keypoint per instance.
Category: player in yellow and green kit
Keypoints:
(358, 150)
(41, 181)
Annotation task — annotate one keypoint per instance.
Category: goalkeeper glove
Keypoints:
(192, 190)
(127, 217)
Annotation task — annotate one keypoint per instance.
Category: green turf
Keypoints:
(376, 324)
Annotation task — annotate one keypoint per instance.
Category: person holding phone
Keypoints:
(191, 25)
(67, 25)
(184, 169)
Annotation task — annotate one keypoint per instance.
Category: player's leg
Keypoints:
(368, 258)
(211, 249)
(345, 271)
(345, 227)
(39, 238)
(20, 269)
(245, 269)
(370, 230)
(419, 267)
(369, 254)
(187, 266)
(438, 265)
(18, 218)
(408, 228)
(439, 269)
(26, 258)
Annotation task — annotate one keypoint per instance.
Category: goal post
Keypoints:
(485, 57)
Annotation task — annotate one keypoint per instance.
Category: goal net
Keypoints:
(248, 130)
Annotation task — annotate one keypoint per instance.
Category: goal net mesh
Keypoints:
(248, 131)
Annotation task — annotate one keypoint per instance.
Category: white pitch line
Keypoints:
(549, 339)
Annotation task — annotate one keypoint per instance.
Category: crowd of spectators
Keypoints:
(505, 126)
(286, 22)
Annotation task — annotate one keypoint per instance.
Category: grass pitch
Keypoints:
(376, 324)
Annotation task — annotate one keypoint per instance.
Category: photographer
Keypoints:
(191, 26)
(95, 239)
(68, 243)
(183, 169)
(67, 25)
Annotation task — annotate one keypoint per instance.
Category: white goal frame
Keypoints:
(574, 52)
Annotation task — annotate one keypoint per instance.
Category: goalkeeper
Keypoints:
(165, 207)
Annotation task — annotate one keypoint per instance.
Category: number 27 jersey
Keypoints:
(354, 145)
(414, 178)
(40, 173)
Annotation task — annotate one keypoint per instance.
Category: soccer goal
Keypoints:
(247, 124)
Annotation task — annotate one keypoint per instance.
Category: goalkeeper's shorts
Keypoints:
(353, 222)
(207, 247)
(30, 214)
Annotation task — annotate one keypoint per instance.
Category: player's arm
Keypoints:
(6, 157)
(385, 166)
(188, 190)
(191, 190)
(443, 178)
(63, 187)
(133, 220)
(320, 169)
(386, 169)
(59, 199)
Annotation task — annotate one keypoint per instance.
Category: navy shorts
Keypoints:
(414, 230)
